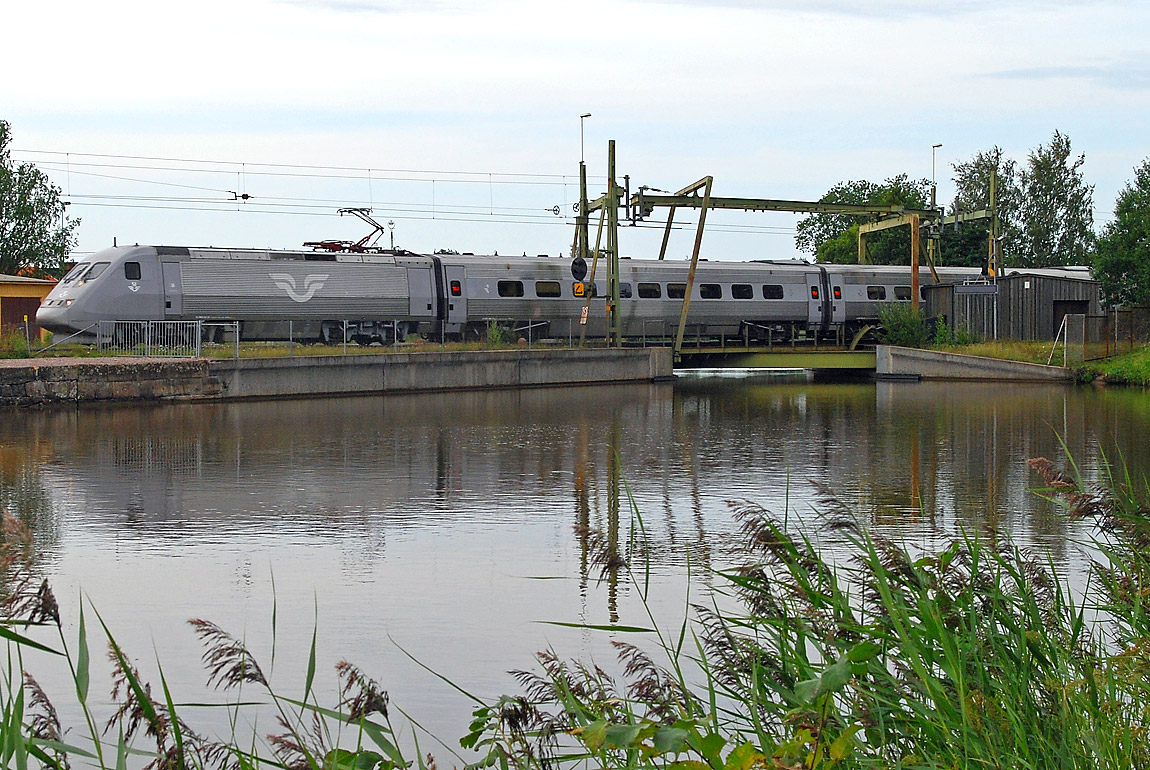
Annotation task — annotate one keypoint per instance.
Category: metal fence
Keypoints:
(150, 338)
(1091, 337)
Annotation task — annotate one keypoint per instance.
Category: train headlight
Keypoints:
(67, 303)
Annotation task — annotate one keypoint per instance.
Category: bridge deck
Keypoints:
(777, 357)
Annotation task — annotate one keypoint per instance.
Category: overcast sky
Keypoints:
(460, 122)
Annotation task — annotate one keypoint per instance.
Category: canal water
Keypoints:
(456, 529)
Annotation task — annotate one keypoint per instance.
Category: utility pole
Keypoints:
(992, 241)
(581, 220)
(614, 331)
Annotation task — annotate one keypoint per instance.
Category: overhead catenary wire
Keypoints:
(209, 206)
(239, 173)
(478, 177)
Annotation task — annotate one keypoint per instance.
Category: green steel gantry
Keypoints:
(698, 195)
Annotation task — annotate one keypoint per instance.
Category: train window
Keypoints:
(742, 291)
(456, 289)
(676, 290)
(710, 291)
(132, 271)
(902, 292)
(97, 268)
(624, 291)
(814, 292)
(511, 288)
(876, 292)
(650, 291)
(547, 289)
(838, 292)
(772, 291)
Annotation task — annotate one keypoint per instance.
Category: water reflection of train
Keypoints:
(385, 294)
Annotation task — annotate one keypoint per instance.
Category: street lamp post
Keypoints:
(933, 184)
(936, 228)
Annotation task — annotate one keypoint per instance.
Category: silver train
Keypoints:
(380, 296)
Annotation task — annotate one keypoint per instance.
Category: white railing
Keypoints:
(150, 338)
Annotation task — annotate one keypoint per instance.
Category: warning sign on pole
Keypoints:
(583, 317)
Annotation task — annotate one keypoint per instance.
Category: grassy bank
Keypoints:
(978, 655)
(1131, 368)
(1128, 369)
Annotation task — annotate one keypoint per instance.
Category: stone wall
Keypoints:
(62, 380)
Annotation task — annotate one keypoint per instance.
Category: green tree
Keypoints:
(35, 235)
(834, 237)
(1056, 212)
(967, 244)
(1122, 262)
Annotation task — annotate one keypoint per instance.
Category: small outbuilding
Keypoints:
(20, 297)
(1021, 305)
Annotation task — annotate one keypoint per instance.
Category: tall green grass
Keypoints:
(977, 655)
(13, 343)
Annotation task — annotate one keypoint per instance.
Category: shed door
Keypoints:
(455, 293)
(173, 293)
(13, 311)
(1064, 307)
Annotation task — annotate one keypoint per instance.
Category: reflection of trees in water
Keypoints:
(915, 457)
(23, 491)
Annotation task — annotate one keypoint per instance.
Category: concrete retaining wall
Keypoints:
(47, 381)
(406, 372)
(911, 363)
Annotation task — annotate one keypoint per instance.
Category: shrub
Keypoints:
(903, 324)
(496, 334)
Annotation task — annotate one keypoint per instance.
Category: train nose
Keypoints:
(54, 317)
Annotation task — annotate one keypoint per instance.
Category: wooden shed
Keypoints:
(20, 297)
(1021, 305)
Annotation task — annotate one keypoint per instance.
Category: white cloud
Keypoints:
(778, 99)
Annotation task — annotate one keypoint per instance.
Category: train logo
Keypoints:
(311, 284)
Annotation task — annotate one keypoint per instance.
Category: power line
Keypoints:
(248, 166)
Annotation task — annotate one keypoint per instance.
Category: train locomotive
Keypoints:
(384, 295)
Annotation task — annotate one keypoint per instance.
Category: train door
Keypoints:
(421, 292)
(456, 299)
(815, 299)
(838, 307)
(173, 292)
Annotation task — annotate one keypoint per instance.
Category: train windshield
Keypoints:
(97, 268)
(75, 272)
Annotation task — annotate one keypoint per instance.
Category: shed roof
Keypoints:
(1074, 273)
(23, 279)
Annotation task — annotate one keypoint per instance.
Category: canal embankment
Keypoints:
(59, 381)
(894, 362)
